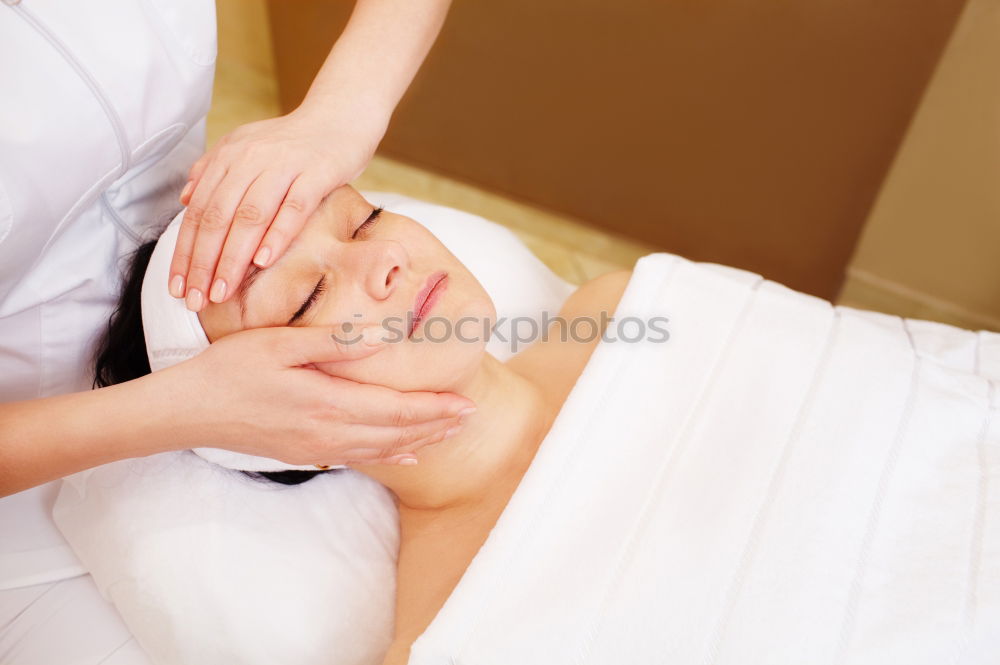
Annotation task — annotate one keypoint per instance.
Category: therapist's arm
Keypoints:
(250, 195)
(251, 392)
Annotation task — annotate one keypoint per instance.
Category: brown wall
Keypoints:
(931, 247)
(753, 133)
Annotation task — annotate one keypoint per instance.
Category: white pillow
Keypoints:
(208, 565)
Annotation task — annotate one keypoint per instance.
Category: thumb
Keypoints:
(319, 344)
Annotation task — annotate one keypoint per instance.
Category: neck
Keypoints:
(486, 459)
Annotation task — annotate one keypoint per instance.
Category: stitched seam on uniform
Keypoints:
(148, 162)
(109, 110)
(13, 621)
(774, 483)
(114, 651)
(117, 220)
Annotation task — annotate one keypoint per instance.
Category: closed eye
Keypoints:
(310, 301)
(321, 284)
(368, 223)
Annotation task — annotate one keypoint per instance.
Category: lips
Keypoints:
(427, 296)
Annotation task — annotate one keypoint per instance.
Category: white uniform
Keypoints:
(101, 115)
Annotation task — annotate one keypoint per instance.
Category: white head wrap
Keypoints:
(173, 334)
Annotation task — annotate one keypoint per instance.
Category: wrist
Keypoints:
(346, 108)
(151, 414)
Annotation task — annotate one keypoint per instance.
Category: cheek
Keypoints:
(219, 320)
(438, 366)
(447, 348)
(442, 356)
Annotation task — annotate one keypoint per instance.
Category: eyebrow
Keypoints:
(244, 287)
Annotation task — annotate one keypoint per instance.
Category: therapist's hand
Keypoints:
(255, 392)
(250, 195)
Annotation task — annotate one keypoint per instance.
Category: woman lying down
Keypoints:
(772, 480)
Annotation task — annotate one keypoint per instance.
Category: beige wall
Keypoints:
(754, 134)
(931, 247)
(246, 87)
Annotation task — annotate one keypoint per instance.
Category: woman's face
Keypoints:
(354, 265)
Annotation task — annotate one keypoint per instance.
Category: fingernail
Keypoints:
(261, 257)
(186, 190)
(408, 461)
(452, 432)
(218, 290)
(466, 411)
(373, 335)
(177, 286)
(194, 300)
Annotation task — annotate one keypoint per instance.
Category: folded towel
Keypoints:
(782, 481)
(173, 333)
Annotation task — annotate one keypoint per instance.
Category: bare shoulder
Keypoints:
(599, 294)
(556, 360)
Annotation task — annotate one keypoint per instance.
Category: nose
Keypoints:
(387, 264)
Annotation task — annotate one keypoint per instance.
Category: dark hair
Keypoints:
(121, 351)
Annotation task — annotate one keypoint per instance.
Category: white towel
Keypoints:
(173, 334)
(780, 482)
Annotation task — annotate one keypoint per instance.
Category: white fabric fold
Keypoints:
(782, 481)
(172, 332)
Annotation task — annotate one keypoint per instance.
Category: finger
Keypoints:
(180, 263)
(214, 219)
(368, 404)
(383, 442)
(253, 215)
(298, 347)
(410, 456)
(185, 196)
(302, 199)
(198, 168)
(404, 460)
(378, 445)
(194, 175)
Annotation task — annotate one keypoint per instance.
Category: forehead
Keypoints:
(343, 197)
(335, 212)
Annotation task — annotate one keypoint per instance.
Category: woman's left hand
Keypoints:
(250, 195)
